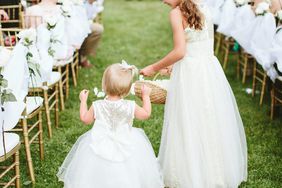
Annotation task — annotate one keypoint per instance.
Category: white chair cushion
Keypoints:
(32, 103)
(11, 141)
(54, 77)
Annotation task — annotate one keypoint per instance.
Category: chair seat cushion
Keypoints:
(32, 103)
(54, 77)
(11, 141)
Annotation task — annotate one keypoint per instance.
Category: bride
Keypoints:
(203, 141)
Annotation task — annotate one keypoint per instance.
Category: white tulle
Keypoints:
(203, 141)
(112, 153)
(227, 17)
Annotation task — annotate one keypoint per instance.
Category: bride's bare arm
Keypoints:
(178, 50)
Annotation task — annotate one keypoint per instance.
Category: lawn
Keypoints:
(139, 32)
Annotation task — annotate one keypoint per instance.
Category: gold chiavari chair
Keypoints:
(32, 21)
(10, 145)
(15, 13)
(259, 75)
(218, 39)
(227, 44)
(276, 96)
(75, 67)
(31, 128)
(247, 61)
(63, 82)
(49, 91)
(8, 37)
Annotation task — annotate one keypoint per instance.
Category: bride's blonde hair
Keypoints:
(117, 80)
(192, 14)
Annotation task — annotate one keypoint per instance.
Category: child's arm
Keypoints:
(86, 116)
(179, 48)
(144, 112)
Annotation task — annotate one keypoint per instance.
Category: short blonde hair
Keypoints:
(117, 81)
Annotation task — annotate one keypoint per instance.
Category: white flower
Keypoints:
(5, 55)
(125, 65)
(51, 21)
(279, 14)
(28, 36)
(141, 78)
(241, 2)
(262, 8)
(66, 8)
(24, 3)
(132, 89)
(96, 91)
(101, 94)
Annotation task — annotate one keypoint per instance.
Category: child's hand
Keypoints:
(83, 96)
(146, 91)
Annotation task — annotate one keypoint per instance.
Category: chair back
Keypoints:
(9, 37)
(15, 13)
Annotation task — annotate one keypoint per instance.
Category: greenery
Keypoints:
(139, 32)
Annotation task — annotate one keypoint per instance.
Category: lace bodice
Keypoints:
(206, 33)
(200, 42)
(114, 114)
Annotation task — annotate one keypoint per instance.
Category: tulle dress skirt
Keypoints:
(83, 168)
(203, 142)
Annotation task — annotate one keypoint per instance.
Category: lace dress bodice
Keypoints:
(111, 135)
(200, 42)
(114, 114)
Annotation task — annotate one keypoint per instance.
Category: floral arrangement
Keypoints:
(240, 3)
(4, 56)
(262, 8)
(28, 38)
(65, 10)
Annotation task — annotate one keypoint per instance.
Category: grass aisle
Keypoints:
(139, 32)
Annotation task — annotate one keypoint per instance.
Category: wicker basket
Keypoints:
(158, 94)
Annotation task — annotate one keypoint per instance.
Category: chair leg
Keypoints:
(263, 89)
(226, 54)
(73, 75)
(47, 111)
(245, 70)
(57, 106)
(40, 136)
(27, 150)
(272, 108)
(17, 169)
(67, 82)
(218, 44)
(238, 66)
(61, 91)
(254, 80)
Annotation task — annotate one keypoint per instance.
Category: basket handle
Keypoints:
(156, 76)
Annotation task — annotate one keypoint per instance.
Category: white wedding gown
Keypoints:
(203, 141)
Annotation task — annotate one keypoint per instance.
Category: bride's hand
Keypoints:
(148, 71)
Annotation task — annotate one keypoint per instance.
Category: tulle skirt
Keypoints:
(203, 142)
(82, 168)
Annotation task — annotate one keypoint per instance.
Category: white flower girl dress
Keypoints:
(112, 154)
(203, 141)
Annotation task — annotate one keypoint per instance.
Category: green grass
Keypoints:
(139, 32)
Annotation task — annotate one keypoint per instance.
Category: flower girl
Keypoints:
(113, 154)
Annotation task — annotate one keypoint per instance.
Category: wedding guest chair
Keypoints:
(15, 13)
(259, 75)
(48, 90)
(8, 37)
(218, 39)
(10, 145)
(245, 61)
(31, 128)
(75, 67)
(227, 45)
(276, 96)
